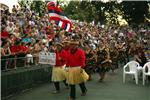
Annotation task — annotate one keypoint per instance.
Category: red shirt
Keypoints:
(61, 58)
(23, 48)
(14, 49)
(4, 34)
(50, 36)
(77, 59)
(67, 50)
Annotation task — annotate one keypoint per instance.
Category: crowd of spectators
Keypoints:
(25, 33)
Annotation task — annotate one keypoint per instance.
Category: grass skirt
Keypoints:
(76, 75)
(58, 74)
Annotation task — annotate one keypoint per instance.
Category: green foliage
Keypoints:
(23, 3)
(131, 11)
(135, 11)
(112, 11)
(37, 6)
(83, 11)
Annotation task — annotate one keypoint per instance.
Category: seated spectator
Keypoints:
(14, 50)
(4, 33)
(10, 28)
(17, 33)
(12, 38)
(5, 53)
(140, 56)
(22, 53)
(37, 48)
(147, 51)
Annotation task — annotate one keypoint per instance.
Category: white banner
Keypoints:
(47, 58)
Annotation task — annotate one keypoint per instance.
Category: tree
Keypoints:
(99, 5)
(83, 11)
(135, 11)
(37, 6)
(89, 10)
(22, 3)
(72, 9)
(108, 12)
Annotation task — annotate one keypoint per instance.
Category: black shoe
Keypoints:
(84, 94)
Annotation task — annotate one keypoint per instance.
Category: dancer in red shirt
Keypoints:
(66, 47)
(58, 72)
(76, 73)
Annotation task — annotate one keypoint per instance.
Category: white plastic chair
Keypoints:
(146, 73)
(133, 67)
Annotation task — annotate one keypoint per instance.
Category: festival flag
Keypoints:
(56, 14)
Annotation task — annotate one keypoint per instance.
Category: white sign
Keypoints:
(47, 58)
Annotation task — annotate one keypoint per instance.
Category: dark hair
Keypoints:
(37, 41)
(29, 43)
(4, 42)
(75, 37)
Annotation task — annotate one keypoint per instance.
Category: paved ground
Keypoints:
(111, 89)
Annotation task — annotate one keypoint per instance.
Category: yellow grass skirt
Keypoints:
(58, 74)
(76, 75)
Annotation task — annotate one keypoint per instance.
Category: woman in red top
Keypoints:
(76, 73)
(66, 47)
(58, 72)
(5, 54)
(4, 33)
(22, 51)
(14, 51)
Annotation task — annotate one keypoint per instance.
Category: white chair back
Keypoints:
(146, 72)
(132, 70)
(133, 65)
(147, 65)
